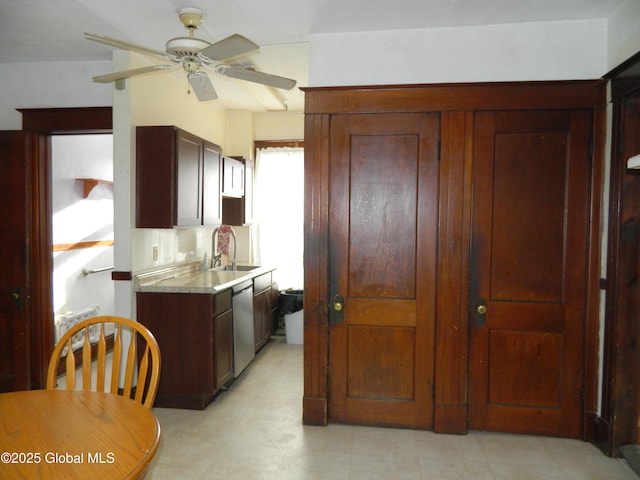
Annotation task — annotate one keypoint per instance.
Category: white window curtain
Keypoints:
(279, 214)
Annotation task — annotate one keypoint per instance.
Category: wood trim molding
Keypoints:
(63, 247)
(592, 320)
(450, 403)
(68, 120)
(461, 96)
(625, 77)
(40, 123)
(122, 276)
(316, 319)
(618, 421)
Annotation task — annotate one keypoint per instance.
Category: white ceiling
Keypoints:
(52, 30)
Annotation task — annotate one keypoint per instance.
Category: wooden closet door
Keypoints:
(383, 195)
(15, 284)
(531, 176)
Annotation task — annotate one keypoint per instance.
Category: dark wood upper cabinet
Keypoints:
(178, 179)
(211, 198)
(232, 177)
(237, 209)
(189, 175)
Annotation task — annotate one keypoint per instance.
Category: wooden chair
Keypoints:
(142, 349)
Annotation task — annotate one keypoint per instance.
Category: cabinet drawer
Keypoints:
(261, 282)
(221, 302)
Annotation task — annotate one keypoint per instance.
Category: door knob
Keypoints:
(336, 309)
(16, 296)
(481, 310)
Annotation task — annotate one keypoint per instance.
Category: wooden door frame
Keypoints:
(617, 424)
(456, 102)
(41, 123)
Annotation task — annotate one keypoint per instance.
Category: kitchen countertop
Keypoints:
(191, 278)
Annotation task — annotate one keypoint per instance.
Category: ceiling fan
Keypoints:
(195, 56)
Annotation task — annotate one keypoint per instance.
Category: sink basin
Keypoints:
(242, 268)
(239, 268)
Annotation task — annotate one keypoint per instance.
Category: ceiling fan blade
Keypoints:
(228, 48)
(201, 85)
(112, 77)
(256, 77)
(114, 42)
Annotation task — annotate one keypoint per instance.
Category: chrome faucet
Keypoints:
(216, 260)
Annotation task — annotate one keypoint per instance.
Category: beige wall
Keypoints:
(279, 125)
(239, 134)
(162, 99)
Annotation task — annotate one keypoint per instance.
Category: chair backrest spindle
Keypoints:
(129, 366)
(86, 359)
(101, 359)
(70, 364)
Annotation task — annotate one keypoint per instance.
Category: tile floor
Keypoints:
(254, 431)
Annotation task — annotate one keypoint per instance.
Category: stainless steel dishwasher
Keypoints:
(243, 336)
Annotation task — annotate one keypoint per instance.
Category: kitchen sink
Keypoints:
(242, 268)
(239, 268)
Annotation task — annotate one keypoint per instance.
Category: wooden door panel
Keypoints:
(365, 311)
(372, 373)
(529, 261)
(14, 263)
(381, 202)
(528, 182)
(537, 354)
(383, 231)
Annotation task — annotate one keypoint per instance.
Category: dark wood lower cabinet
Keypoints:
(195, 335)
(263, 324)
(223, 347)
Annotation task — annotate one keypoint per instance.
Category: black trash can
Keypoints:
(290, 304)
(290, 301)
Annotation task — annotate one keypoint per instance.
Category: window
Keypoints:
(279, 214)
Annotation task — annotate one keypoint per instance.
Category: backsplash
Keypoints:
(179, 245)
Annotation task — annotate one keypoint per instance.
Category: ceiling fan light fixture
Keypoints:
(185, 46)
(191, 65)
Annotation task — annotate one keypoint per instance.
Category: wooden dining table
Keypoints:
(61, 434)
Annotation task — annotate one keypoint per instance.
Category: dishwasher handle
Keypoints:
(241, 287)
